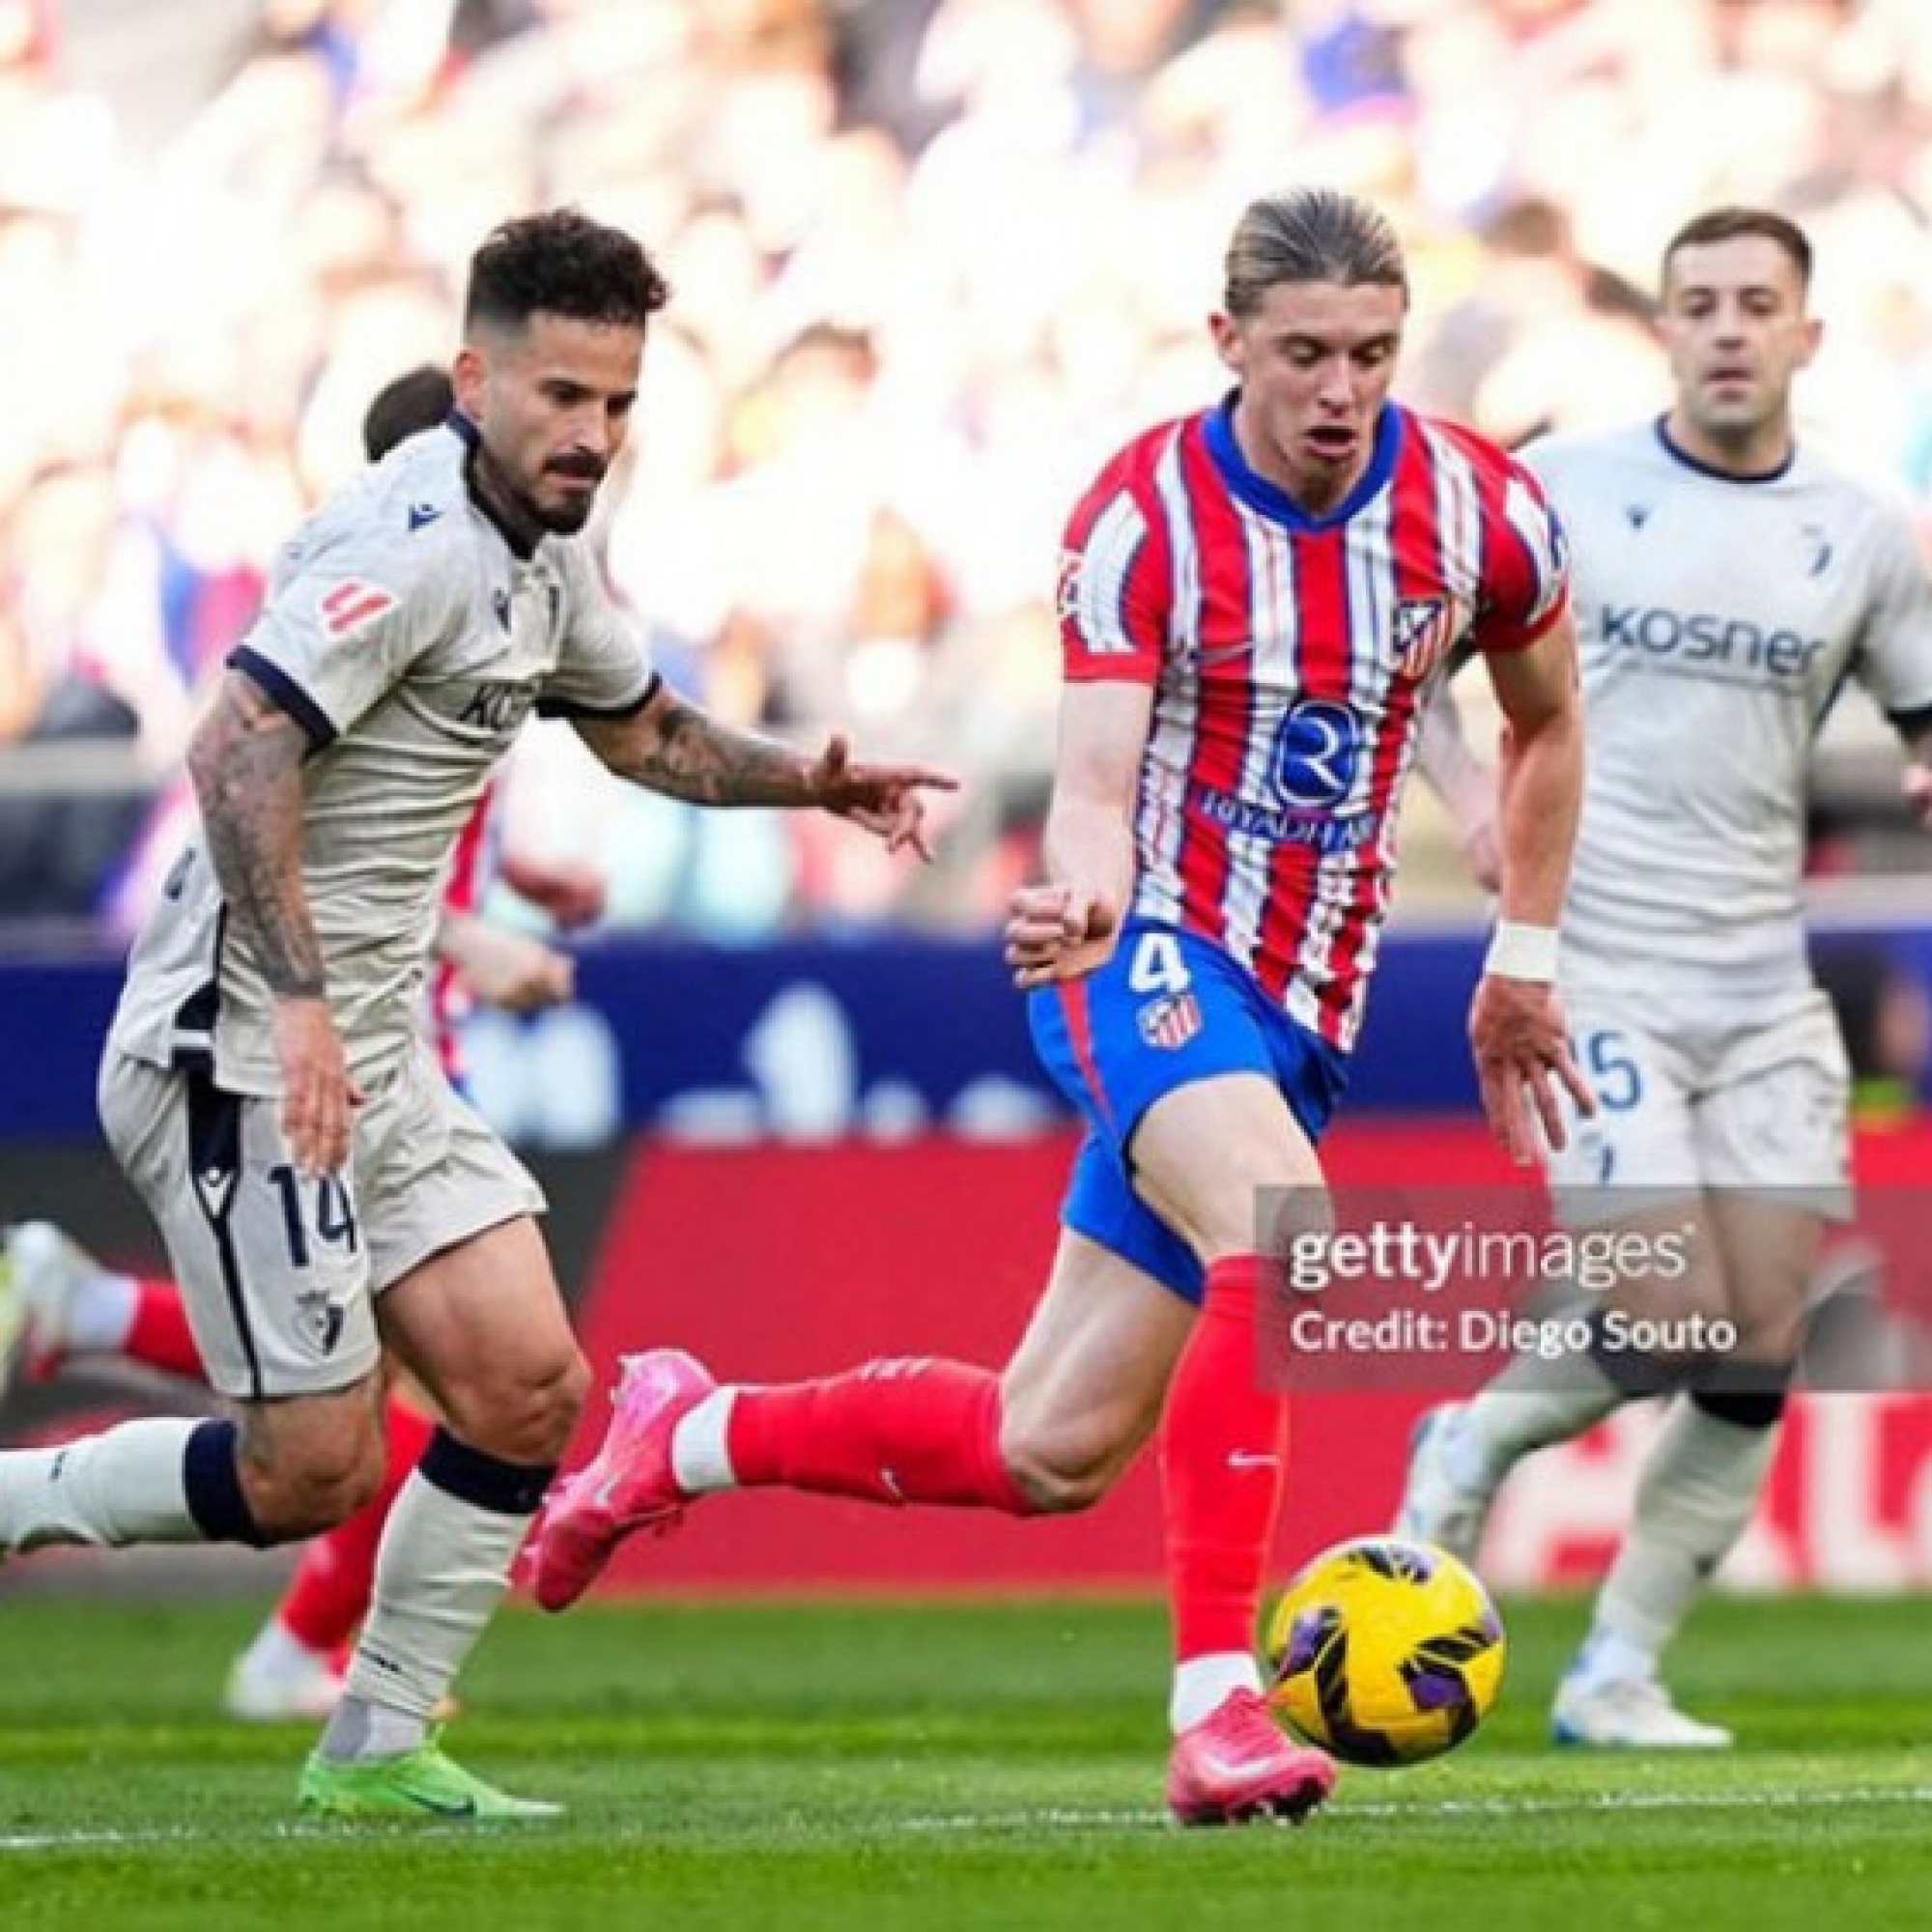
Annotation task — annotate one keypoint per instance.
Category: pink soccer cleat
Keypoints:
(1236, 1765)
(628, 1485)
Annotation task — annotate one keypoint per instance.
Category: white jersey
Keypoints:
(1716, 620)
(410, 639)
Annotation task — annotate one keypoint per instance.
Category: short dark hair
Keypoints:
(561, 263)
(1310, 234)
(403, 407)
(1726, 224)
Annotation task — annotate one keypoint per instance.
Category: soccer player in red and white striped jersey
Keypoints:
(1285, 650)
(1251, 603)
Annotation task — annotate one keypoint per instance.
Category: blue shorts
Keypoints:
(1167, 1010)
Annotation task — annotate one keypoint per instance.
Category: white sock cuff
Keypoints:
(699, 1460)
(1201, 1685)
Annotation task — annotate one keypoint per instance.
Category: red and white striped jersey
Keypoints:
(1289, 656)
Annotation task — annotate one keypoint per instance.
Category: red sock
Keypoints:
(1223, 1461)
(906, 1431)
(329, 1594)
(158, 1335)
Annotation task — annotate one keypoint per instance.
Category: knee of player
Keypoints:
(317, 1491)
(563, 1395)
(1061, 1468)
(1765, 1335)
(526, 1417)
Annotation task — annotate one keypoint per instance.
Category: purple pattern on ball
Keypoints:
(1438, 1689)
(1311, 1630)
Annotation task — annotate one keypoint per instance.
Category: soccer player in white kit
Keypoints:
(1728, 583)
(323, 1191)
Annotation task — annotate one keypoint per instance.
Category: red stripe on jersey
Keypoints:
(1419, 564)
(1325, 660)
(1506, 557)
(1223, 708)
(466, 868)
(1510, 567)
(469, 868)
(1130, 640)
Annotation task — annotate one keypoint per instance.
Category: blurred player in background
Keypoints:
(1728, 582)
(1250, 600)
(324, 1193)
(1865, 1317)
(58, 1304)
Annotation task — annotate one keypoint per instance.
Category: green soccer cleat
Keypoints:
(424, 1784)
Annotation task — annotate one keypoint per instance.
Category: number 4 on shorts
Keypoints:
(1157, 965)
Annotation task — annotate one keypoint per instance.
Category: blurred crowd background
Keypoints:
(931, 260)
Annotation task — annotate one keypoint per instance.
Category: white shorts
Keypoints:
(1687, 1103)
(280, 1272)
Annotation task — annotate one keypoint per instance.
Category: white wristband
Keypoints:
(1519, 951)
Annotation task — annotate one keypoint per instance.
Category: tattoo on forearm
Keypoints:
(693, 758)
(246, 764)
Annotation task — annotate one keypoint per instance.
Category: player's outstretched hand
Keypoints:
(883, 798)
(1521, 1051)
(1056, 932)
(318, 1095)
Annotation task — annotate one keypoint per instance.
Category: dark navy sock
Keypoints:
(475, 1476)
(213, 1485)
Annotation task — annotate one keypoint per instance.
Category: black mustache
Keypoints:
(585, 466)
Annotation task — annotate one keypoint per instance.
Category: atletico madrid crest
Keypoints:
(1172, 1020)
(1424, 629)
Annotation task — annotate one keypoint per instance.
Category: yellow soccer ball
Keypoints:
(1385, 1652)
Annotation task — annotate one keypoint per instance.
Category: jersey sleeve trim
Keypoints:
(1116, 670)
(276, 684)
(1507, 642)
(566, 708)
(1915, 722)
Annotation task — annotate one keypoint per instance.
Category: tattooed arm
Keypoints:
(675, 747)
(245, 762)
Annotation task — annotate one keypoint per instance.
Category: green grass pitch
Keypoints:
(931, 1766)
